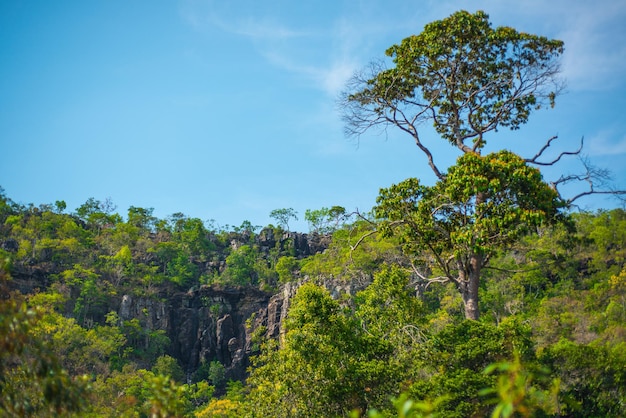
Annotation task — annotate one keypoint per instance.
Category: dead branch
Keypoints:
(535, 159)
(598, 179)
(360, 240)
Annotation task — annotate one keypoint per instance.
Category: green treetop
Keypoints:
(467, 79)
(461, 75)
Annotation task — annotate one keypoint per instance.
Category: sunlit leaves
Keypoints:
(462, 75)
(483, 205)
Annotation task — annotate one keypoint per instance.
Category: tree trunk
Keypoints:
(468, 284)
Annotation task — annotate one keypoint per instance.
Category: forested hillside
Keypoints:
(484, 294)
(552, 332)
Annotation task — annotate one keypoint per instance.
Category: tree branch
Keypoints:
(535, 159)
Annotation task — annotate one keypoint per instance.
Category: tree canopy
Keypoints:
(467, 79)
(461, 75)
(483, 205)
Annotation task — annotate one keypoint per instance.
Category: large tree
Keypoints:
(461, 75)
(452, 229)
(467, 79)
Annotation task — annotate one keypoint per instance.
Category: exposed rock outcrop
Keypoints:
(218, 323)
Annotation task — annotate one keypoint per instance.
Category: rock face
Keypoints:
(218, 323)
(212, 323)
(206, 324)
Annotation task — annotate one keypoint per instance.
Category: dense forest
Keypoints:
(551, 339)
(484, 294)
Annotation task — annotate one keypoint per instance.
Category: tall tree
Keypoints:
(282, 216)
(483, 205)
(461, 75)
(467, 79)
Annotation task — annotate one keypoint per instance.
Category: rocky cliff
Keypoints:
(204, 324)
(218, 323)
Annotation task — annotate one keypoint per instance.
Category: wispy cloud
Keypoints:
(322, 55)
(595, 40)
(329, 78)
(203, 14)
(607, 143)
(257, 29)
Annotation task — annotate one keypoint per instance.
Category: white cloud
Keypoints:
(323, 56)
(595, 42)
(607, 143)
(257, 29)
(203, 14)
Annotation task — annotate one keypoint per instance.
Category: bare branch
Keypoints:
(414, 333)
(429, 280)
(364, 109)
(535, 159)
(597, 179)
(360, 240)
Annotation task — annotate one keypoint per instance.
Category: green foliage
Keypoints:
(468, 79)
(285, 268)
(407, 408)
(141, 218)
(452, 362)
(98, 214)
(484, 205)
(560, 288)
(463, 76)
(32, 380)
(240, 266)
(216, 374)
(324, 220)
(283, 216)
(345, 259)
(168, 366)
(331, 361)
(141, 393)
(592, 377)
(516, 393)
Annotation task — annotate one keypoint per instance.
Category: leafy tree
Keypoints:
(136, 392)
(168, 366)
(216, 373)
(221, 408)
(310, 376)
(332, 361)
(324, 220)
(241, 266)
(518, 392)
(463, 76)
(467, 79)
(483, 204)
(60, 206)
(606, 235)
(33, 381)
(142, 218)
(452, 363)
(192, 236)
(285, 268)
(592, 377)
(282, 216)
(91, 289)
(7, 206)
(99, 214)
(349, 256)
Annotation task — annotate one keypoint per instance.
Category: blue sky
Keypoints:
(227, 110)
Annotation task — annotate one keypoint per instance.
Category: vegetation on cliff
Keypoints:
(551, 333)
(483, 294)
